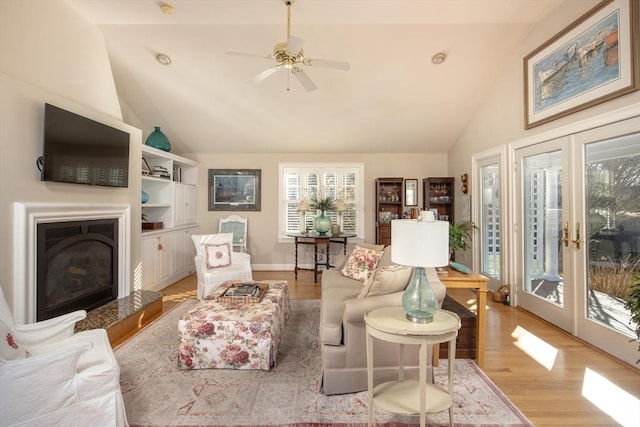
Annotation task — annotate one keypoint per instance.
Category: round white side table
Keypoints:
(409, 396)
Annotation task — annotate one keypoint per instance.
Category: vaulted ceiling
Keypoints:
(393, 98)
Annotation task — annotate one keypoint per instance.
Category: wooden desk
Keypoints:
(476, 281)
(306, 239)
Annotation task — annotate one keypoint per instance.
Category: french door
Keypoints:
(578, 228)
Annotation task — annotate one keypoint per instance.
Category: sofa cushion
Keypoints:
(386, 280)
(361, 261)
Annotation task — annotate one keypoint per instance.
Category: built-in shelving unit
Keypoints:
(438, 193)
(167, 252)
(389, 204)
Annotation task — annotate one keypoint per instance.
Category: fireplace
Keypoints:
(86, 246)
(77, 266)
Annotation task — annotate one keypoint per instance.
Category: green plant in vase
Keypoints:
(460, 235)
(323, 203)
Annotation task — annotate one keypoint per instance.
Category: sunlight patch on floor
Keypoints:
(623, 407)
(181, 296)
(543, 353)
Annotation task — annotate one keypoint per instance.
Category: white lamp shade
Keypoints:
(419, 243)
(341, 205)
(304, 205)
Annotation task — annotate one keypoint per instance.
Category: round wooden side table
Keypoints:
(409, 396)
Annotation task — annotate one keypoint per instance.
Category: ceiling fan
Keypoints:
(290, 57)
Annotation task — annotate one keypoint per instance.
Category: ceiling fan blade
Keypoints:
(253, 55)
(266, 73)
(294, 44)
(305, 80)
(325, 63)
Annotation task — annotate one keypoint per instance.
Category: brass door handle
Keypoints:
(577, 241)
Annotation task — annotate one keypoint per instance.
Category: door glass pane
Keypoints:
(613, 228)
(490, 228)
(542, 212)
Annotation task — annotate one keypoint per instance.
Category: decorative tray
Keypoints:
(244, 292)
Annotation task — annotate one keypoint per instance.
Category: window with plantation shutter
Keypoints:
(338, 181)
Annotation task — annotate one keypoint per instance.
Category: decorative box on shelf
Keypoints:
(152, 225)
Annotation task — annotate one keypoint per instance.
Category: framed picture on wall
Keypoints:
(234, 189)
(593, 60)
(411, 192)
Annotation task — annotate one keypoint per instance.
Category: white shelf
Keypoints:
(403, 397)
(171, 202)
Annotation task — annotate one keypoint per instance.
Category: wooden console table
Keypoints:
(306, 239)
(455, 279)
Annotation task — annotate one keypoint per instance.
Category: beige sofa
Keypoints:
(342, 327)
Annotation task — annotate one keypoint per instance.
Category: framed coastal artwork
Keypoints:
(234, 189)
(593, 60)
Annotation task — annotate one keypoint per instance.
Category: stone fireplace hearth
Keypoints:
(27, 219)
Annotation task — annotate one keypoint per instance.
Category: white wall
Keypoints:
(265, 249)
(50, 54)
(500, 119)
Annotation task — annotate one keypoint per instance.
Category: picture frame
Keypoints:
(234, 189)
(411, 192)
(146, 170)
(593, 60)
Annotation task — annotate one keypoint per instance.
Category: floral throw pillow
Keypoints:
(360, 263)
(10, 349)
(218, 255)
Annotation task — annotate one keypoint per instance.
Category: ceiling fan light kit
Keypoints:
(289, 56)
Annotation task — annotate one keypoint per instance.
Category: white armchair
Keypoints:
(216, 262)
(51, 376)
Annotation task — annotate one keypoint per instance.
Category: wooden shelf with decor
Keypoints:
(438, 193)
(389, 204)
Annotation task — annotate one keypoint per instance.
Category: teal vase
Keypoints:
(159, 140)
(322, 224)
(145, 197)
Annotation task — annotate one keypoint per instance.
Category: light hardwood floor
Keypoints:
(553, 396)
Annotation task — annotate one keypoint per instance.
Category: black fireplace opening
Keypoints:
(77, 266)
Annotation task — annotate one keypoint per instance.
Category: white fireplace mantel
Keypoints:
(27, 216)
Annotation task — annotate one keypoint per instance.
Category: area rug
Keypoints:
(156, 393)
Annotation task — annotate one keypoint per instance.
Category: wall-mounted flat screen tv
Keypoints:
(82, 151)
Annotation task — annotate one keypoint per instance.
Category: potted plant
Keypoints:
(323, 203)
(633, 305)
(460, 236)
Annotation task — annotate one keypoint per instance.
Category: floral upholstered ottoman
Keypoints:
(234, 335)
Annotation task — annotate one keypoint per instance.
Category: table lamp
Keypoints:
(419, 244)
(303, 207)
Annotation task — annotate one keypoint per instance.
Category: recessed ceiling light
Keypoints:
(163, 59)
(439, 58)
(166, 8)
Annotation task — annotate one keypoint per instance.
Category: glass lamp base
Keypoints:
(422, 320)
(419, 302)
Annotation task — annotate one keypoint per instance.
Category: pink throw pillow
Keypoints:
(218, 255)
(360, 263)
